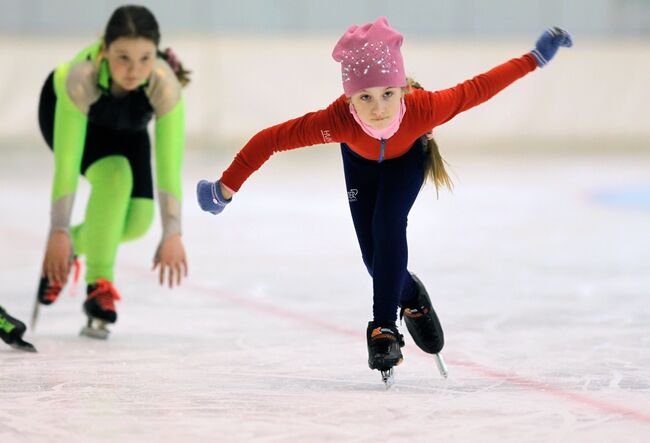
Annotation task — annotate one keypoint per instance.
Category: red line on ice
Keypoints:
(515, 380)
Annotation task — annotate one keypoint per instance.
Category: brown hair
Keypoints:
(182, 74)
(137, 21)
(434, 165)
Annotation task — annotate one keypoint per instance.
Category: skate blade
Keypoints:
(22, 345)
(95, 329)
(442, 367)
(101, 334)
(35, 311)
(388, 377)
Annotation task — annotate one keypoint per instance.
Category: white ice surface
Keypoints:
(542, 291)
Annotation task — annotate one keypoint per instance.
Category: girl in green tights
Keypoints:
(93, 114)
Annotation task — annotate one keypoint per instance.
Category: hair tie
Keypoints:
(172, 60)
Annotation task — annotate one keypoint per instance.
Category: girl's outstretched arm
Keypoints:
(445, 104)
(323, 126)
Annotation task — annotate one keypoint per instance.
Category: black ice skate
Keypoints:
(424, 326)
(100, 309)
(48, 292)
(384, 349)
(12, 330)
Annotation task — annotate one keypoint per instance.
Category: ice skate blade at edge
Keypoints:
(101, 334)
(442, 367)
(35, 312)
(22, 345)
(95, 329)
(388, 377)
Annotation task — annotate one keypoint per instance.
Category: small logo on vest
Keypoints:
(327, 137)
(352, 195)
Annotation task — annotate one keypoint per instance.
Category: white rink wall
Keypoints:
(596, 90)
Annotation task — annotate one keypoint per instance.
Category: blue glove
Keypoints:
(548, 44)
(210, 197)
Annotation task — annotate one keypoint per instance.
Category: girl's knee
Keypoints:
(112, 172)
(139, 218)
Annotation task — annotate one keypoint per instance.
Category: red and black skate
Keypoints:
(48, 291)
(100, 308)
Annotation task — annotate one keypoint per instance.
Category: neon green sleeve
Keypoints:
(170, 147)
(70, 125)
(69, 138)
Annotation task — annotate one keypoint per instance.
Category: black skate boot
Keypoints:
(424, 326)
(100, 308)
(384, 349)
(12, 330)
(48, 292)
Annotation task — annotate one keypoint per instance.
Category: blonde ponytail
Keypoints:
(434, 165)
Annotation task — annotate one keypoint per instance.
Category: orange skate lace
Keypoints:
(54, 288)
(52, 291)
(106, 294)
(75, 277)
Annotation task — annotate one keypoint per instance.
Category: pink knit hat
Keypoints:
(370, 56)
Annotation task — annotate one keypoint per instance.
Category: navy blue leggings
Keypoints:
(381, 195)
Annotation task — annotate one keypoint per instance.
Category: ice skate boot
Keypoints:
(100, 309)
(48, 291)
(12, 330)
(423, 325)
(384, 349)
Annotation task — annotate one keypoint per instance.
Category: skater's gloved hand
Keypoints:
(56, 263)
(548, 44)
(210, 196)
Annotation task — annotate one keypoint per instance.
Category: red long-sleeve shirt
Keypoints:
(335, 124)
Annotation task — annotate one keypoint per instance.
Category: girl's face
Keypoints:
(378, 106)
(130, 61)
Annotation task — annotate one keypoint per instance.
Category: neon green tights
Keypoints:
(112, 216)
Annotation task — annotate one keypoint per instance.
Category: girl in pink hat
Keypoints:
(381, 124)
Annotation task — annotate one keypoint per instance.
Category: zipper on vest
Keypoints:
(382, 146)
